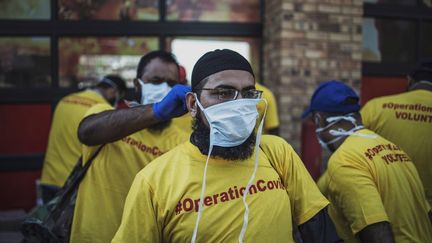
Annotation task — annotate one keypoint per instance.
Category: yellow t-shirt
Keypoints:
(272, 119)
(372, 180)
(406, 120)
(64, 148)
(102, 192)
(162, 203)
(183, 122)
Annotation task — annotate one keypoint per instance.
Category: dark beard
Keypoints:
(159, 127)
(200, 137)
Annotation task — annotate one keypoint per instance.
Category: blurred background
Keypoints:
(50, 48)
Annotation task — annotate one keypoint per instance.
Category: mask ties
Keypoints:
(195, 232)
(257, 143)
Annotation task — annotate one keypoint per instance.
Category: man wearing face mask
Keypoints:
(64, 148)
(227, 183)
(375, 191)
(406, 119)
(132, 138)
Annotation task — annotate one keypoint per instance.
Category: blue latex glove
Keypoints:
(173, 104)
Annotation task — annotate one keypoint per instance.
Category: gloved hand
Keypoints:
(173, 104)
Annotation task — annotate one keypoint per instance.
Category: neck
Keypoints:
(424, 85)
(347, 126)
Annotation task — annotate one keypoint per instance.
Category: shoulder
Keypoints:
(355, 151)
(98, 108)
(167, 160)
(274, 142)
(174, 134)
(380, 101)
(276, 146)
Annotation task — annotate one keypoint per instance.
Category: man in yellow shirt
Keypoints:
(271, 120)
(375, 191)
(133, 138)
(64, 149)
(406, 120)
(212, 188)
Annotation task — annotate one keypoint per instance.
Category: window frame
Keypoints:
(417, 14)
(56, 29)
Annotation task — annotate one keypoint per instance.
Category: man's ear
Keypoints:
(318, 119)
(137, 85)
(191, 104)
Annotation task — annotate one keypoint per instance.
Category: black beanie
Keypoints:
(217, 61)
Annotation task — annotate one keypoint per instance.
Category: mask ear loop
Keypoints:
(195, 232)
(257, 143)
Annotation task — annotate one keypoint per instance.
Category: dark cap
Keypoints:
(217, 61)
(422, 71)
(333, 96)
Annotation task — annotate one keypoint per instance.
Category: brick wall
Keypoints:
(306, 42)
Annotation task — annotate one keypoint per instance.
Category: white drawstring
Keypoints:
(257, 143)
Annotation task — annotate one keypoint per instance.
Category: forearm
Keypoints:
(430, 216)
(110, 126)
(319, 228)
(377, 233)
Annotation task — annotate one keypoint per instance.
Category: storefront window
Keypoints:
(217, 11)
(25, 9)
(389, 41)
(426, 41)
(84, 61)
(189, 49)
(25, 62)
(109, 10)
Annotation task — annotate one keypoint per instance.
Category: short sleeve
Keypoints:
(305, 198)
(367, 114)
(352, 192)
(89, 150)
(272, 118)
(139, 221)
(97, 109)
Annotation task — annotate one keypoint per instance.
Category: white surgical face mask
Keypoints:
(231, 123)
(152, 93)
(339, 133)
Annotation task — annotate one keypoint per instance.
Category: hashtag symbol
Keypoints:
(178, 208)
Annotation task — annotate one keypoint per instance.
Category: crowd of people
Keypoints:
(204, 163)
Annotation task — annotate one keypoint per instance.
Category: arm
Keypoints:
(430, 216)
(110, 126)
(140, 222)
(319, 228)
(377, 233)
(355, 198)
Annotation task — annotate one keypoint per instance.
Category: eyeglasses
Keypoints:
(224, 94)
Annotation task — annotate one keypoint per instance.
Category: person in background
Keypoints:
(271, 121)
(131, 139)
(64, 148)
(406, 120)
(225, 183)
(375, 191)
(183, 122)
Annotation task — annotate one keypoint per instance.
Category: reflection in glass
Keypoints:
(25, 62)
(426, 41)
(25, 9)
(109, 9)
(389, 41)
(426, 3)
(83, 61)
(394, 2)
(210, 10)
(189, 49)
